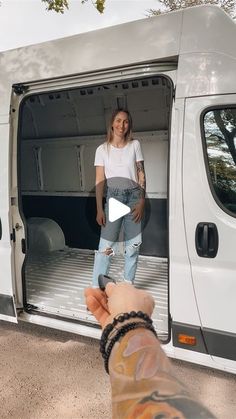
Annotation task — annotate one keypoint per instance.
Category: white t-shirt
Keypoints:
(119, 162)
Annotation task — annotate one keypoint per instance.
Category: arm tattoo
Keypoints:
(141, 176)
(142, 383)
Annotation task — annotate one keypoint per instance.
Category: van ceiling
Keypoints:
(86, 111)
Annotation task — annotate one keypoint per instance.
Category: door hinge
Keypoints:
(13, 235)
(19, 89)
(30, 307)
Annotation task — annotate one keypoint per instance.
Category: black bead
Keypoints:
(121, 319)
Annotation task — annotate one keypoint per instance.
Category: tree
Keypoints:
(170, 5)
(60, 6)
(220, 136)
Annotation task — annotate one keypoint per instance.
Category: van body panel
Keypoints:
(214, 278)
(205, 74)
(207, 56)
(65, 326)
(220, 344)
(213, 20)
(7, 309)
(199, 358)
(181, 293)
(167, 36)
(89, 52)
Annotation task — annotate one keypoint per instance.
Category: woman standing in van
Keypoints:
(119, 163)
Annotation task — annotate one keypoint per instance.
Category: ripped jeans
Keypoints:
(110, 234)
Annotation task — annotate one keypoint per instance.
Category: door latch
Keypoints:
(206, 240)
(18, 226)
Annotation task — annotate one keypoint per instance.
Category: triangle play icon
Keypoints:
(116, 209)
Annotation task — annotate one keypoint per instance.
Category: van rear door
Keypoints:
(209, 191)
(7, 304)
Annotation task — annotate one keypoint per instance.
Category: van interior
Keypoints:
(58, 135)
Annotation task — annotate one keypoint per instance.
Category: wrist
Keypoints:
(121, 333)
(118, 326)
(121, 325)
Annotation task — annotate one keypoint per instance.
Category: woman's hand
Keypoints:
(119, 298)
(101, 218)
(138, 211)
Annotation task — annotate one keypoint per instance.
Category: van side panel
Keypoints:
(7, 310)
(88, 52)
(183, 307)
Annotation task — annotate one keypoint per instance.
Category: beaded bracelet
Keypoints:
(120, 333)
(120, 319)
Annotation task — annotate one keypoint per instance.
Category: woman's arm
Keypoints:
(138, 210)
(100, 182)
(141, 177)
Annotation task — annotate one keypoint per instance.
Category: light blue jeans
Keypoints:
(110, 234)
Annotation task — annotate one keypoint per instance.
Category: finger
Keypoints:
(150, 303)
(110, 288)
(97, 309)
(99, 295)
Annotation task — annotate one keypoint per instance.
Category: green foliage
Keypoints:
(220, 131)
(100, 5)
(171, 5)
(60, 6)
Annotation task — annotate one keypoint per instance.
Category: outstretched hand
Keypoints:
(117, 299)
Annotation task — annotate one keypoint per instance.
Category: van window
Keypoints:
(220, 141)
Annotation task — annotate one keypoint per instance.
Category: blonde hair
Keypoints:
(128, 135)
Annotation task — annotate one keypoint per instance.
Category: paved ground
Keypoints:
(51, 374)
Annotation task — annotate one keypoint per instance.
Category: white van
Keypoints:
(176, 73)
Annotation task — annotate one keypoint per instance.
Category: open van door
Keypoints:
(7, 304)
(209, 191)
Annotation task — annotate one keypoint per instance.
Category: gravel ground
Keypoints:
(52, 374)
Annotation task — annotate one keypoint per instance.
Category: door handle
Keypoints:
(206, 240)
(0, 229)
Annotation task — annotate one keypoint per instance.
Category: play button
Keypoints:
(121, 195)
(116, 209)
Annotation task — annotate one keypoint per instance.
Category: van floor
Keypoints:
(55, 283)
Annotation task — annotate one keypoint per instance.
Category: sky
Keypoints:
(25, 22)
